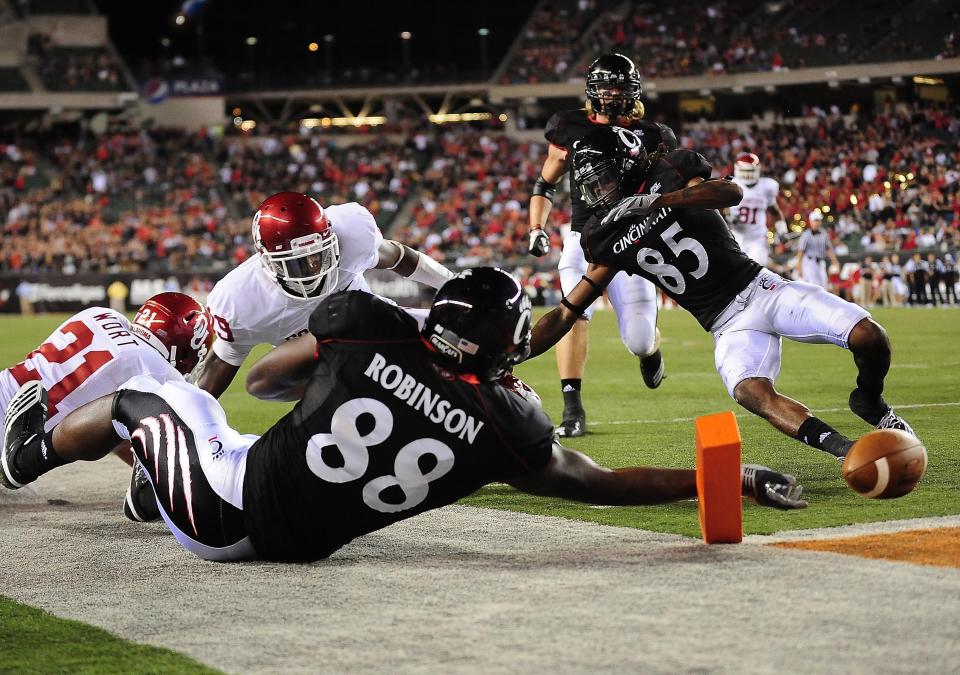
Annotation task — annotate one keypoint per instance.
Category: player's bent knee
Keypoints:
(869, 335)
(639, 337)
(756, 394)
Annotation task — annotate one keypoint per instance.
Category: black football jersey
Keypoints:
(568, 126)
(381, 434)
(688, 253)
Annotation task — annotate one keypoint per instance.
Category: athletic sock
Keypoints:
(818, 434)
(38, 458)
(571, 393)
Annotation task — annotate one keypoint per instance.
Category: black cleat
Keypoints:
(877, 412)
(574, 424)
(652, 369)
(140, 504)
(26, 416)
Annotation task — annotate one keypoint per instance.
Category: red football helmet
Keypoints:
(177, 326)
(296, 244)
(747, 169)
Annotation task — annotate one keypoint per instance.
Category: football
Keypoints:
(885, 464)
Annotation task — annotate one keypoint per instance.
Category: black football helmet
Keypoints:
(479, 323)
(609, 164)
(613, 86)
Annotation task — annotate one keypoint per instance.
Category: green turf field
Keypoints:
(36, 642)
(630, 425)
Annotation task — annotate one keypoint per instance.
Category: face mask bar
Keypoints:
(309, 272)
(602, 187)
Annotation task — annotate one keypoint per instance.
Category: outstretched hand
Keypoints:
(771, 488)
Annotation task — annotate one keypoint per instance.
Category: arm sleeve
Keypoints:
(526, 433)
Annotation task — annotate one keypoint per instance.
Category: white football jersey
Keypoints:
(749, 218)
(90, 355)
(249, 308)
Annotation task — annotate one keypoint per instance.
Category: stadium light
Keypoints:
(237, 112)
(180, 19)
(251, 41)
(165, 41)
(313, 46)
(483, 32)
(328, 38)
(502, 117)
(406, 35)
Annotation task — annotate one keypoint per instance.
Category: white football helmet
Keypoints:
(747, 169)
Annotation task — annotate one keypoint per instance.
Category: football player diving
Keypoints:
(392, 420)
(654, 215)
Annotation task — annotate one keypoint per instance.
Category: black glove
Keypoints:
(769, 488)
(539, 243)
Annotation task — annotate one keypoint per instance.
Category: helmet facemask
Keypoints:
(601, 185)
(310, 268)
(748, 175)
(613, 100)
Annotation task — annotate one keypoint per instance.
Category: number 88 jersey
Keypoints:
(381, 434)
(688, 253)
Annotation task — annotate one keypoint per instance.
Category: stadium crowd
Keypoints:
(725, 36)
(164, 199)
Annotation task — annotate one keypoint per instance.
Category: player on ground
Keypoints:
(394, 420)
(303, 253)
(813, 247)
(95, 351)
(748, 220)
(613, 97)
(669, 233)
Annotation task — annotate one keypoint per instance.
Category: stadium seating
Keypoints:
(12, 80)
(80, 69)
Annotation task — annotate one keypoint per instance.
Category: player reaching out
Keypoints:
(304, 252)
(671, 234)
(613, 92)
(394, 420)
(748, 219)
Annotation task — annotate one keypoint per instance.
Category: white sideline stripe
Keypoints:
(855, 530)
(907, 406)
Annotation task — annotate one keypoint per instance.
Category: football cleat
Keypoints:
(877, 412)
(574, 424)
(26, 416)
(140, 504)
(652, 369)
(892, 420)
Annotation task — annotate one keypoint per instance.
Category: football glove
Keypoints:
(539, 243)
(638, 205)
(770, 488)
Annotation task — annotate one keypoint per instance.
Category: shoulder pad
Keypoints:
(357, 316)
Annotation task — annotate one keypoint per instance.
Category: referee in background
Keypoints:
(812, 250)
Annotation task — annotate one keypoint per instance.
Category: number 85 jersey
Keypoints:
(688, 253)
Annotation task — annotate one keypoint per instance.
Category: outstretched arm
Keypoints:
(698, 194)
(572, 475)
(703, 194)
(283, 373)
(405, 261)
(556, 323)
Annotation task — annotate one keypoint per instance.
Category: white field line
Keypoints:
(856, 530)
(906, 406)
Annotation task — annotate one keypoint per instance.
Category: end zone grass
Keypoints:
(37, 642)
(631, 425)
